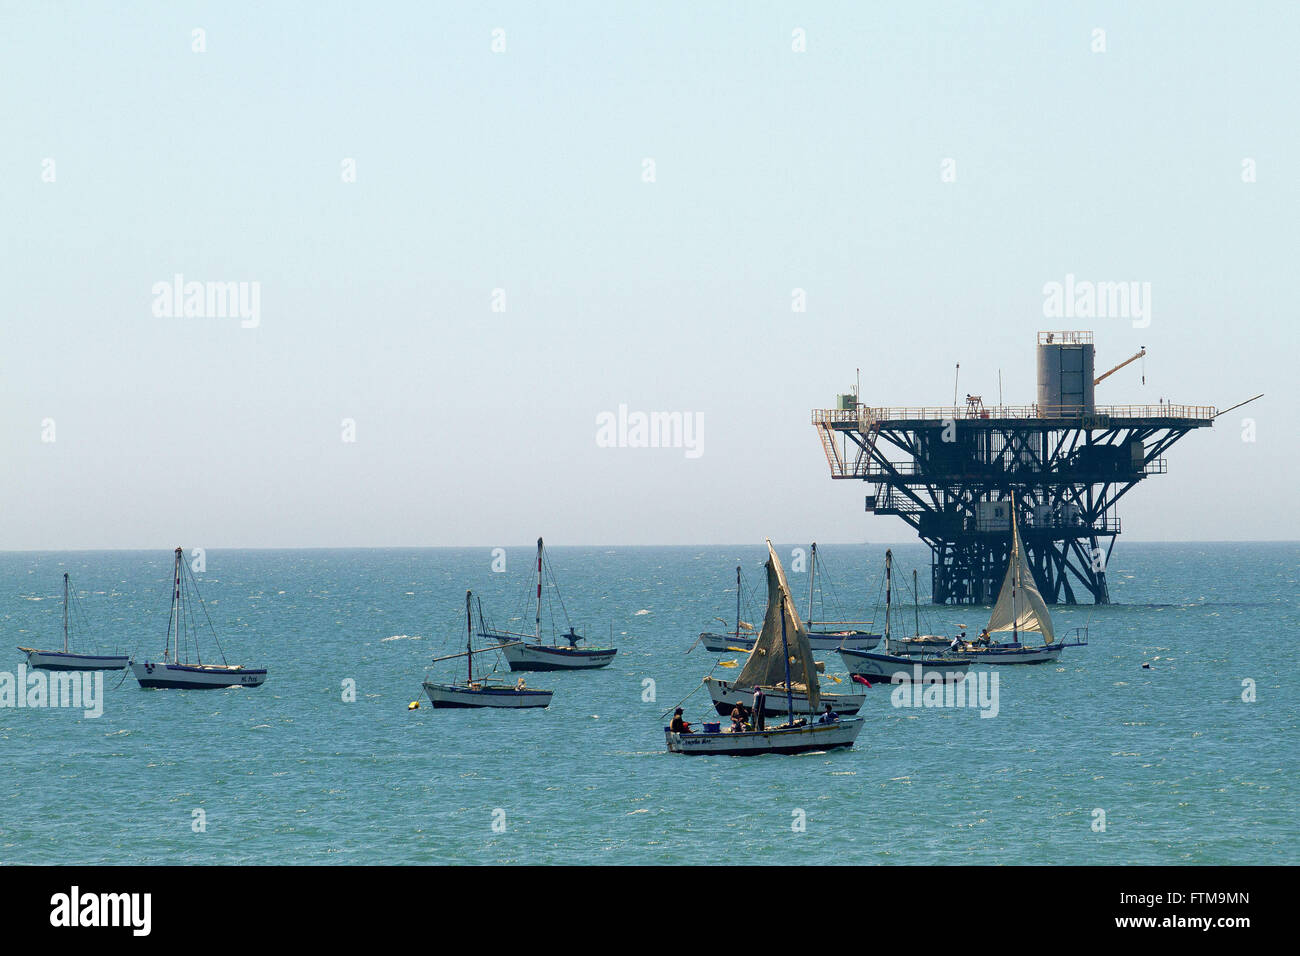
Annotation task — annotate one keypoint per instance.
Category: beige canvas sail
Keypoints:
(1020, 607)
(766, 666)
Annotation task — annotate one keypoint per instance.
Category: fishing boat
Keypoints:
(832, 635)
(526, 652)
(66, 659)
(740, 639)
(782, 661)
(175, 671)
(481, 691)
(727, 694)
(886, 667)
(1020, 608)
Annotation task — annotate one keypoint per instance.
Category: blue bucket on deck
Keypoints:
(712, 728)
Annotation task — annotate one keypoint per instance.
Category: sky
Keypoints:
(475, 229)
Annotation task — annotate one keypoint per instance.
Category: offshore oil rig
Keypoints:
(950, 473)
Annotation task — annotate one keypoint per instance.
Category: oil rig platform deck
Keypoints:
(950, 473)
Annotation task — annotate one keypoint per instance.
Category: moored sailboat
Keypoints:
(782, 662)
(483, 691)
(742, 638)
(1020, 608)
(919, 643)
(832, 635)
(174, 671)
(66, 659)
(526, 652)
(885, 667)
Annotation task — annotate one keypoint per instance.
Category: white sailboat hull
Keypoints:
(543, 657)
(882, 668)
(64, 661)
(1044, 654)
(168, 676)
(776, 740)
(725, 697)
(925, 644)
(833, 641)
(722, 643)
(485, 695)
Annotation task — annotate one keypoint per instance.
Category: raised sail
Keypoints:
(1020, 607)
(768, 665)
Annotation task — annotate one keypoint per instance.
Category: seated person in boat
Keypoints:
(679, 726)
(829, 717)
(520, 685)
(739, 717)
(984, 639)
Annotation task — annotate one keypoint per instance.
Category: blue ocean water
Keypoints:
(1185, 770)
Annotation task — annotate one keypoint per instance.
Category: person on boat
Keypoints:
(829, 717)
(955, 645)
(679, 726)
(760, 719)
(984, 640)
(738, 718)
(520, 684)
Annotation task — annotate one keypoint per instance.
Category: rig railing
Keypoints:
(863, 416)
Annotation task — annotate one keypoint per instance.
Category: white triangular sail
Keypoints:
(766, 666)
(1020, 607)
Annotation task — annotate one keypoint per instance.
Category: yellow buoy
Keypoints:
(413, 705)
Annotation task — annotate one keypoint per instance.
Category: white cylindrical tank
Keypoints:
(1065, 374)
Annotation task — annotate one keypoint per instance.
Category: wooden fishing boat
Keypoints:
(67, 659)
(783, 661)
(481, 691)
(175, 671)
(800, 737)
(526, 652)
(726, 695)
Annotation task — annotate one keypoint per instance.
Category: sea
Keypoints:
(1170, 738)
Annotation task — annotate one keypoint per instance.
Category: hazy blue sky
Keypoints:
(522, 170)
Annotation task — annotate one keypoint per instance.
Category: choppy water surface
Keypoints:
(1185, 770)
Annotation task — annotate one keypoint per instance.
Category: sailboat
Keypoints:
(920, 643)
(482, 691)
(174, 671)
(733, 640)
(1019, 608)
(832, 635)
(886, 667)
(66, 660)
(526, 652)
(782, 660)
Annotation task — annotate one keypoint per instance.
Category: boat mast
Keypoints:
(889, 581)
(65, 612)
(812, 577)
(469, 639)
(916, 603)
(176, 605)
(737, 602)
(538, 622)
(1015, 580)
(785, 647)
